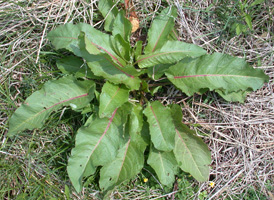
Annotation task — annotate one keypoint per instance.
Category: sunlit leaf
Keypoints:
(66, 91)
(161, 127)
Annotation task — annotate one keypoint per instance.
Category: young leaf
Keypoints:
(109, 11)
(215, 72)
(171, 52)
(191, 153)
(138, 49)
(101, 64)
(164, 164)
(160, 29)
(127, 164)
(122, 26)
(121, 47)
(66, 37)
(95, 145)
(135, 126)
(54, 95)
(161, 127)
(248, 21)
(112, 97)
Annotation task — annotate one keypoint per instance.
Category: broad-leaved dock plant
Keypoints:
(108, 80)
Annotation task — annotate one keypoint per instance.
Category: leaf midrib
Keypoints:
(163, 138)
(116, 92)
(124, 158)
(160, 54)
(102, 136)
(157, 41)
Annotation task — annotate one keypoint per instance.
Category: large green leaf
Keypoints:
(109, 12)
(96, 145)
(66, 36)
(215, 72)
(127, 164)
(112, 97)
(122, 26)
(164, 164)
(170, 52)
(54, 95)
(190, 151)
(161, 126)
(160, 29)
(101, 64)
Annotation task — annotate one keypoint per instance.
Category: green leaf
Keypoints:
(96, 145)
(164, 164)
(233, 96)
(248, 21)
(112, 97)
(53, 96)
(66, 36)
(73, 65)
(257, 2)
(135, 127)
(191, 153)
(160, 29)
(127, 164)
(101, 64)
(122, 26)
(161, 127)
(138, 49)
(121, 47)
(171, 52)
(109, 12)
(215, 72)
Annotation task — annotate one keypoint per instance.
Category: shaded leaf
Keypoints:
(157, 71)
(73, 65)
(53, 96)
(164, 164)
(170, 52)
(138, 49)
(160, 29)
(215, 72)
(161, 127)
(112, 97)
(127, 164)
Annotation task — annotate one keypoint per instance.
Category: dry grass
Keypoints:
(240, 136)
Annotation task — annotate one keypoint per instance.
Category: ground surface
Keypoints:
(240, 136)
